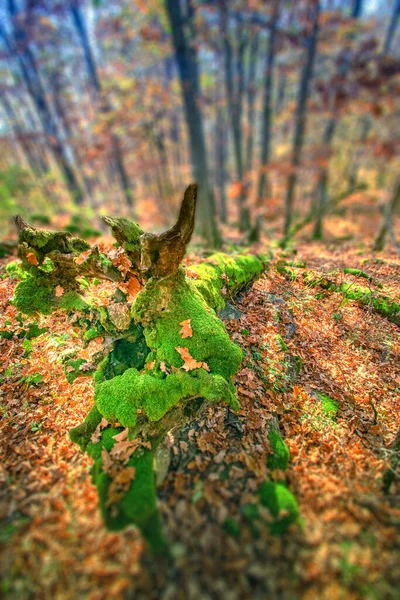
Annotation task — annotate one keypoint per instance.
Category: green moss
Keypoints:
(382, 304)
(82, 433)
(126, 232)
(162, 305)
(385, 306)
(120, 398)
(357, 273)
(139, 505)
(232, 527)
(93, 333)
(34, 295)
(330, 406)
(281, 504)
(281, 342)
(15, 271)
(221, 270)
(46, 241)
(280, 457)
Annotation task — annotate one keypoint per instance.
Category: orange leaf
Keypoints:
(189, 362)
(32, 258)
(59, 291)
(186, 329)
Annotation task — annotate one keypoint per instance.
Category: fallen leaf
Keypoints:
(59, 291)
(32, 258)
(186, 329)
(189, 362)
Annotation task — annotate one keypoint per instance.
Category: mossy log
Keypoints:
(168, 353)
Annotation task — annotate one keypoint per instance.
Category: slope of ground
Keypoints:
(324, 367)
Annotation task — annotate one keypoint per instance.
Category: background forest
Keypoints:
(225, 423)
(281, 110)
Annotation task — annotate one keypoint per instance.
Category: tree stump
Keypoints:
(167, 352)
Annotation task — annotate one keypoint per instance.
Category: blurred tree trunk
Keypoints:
(300, 117)
(280, 93)
(322, 185)
(234, 94)
(267, 108)
(356, 9)
(116, 149)
(387, 222)
(221, 145)
(392, 27)
(31, 78)
(186, 58)
(37, 166)
(251, 97)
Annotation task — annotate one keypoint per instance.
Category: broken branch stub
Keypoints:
(158, 254)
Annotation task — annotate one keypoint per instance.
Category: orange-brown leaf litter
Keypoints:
(346, 545)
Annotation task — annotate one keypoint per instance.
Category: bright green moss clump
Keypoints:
(330, 406)
(221, 270)
(281, 504)
(280, 457)
(163, 305)
(139, 504)
(120, 398)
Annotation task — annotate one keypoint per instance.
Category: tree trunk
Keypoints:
(188, 72)
(322, 185)
(356, 9)
(31, 77)
(267, 108)
(117, 154)
(300, 118)
(234, 94)
(251, 97)
(387, 222)
(392, 27)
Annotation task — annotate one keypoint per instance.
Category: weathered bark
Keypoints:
(186, 58)
(300, 118)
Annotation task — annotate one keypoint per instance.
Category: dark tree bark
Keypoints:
(392, 27)
(186, 58)
(251, 97)
(300, 118)
(234, 95)
(116, 149)
(267, 108)
(356, 9)
(221, 145)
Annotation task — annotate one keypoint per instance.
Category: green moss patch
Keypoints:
(280, 457)
(330, 406)
(281, 504)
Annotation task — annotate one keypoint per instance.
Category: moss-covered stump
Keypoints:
(167, 353)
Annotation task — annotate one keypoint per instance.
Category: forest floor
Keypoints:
(346, 543)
